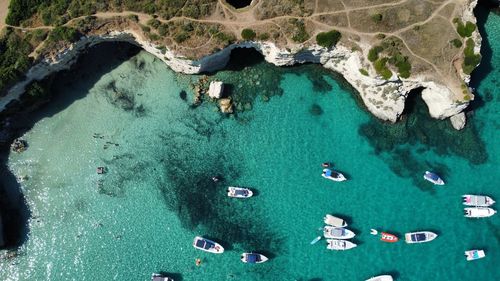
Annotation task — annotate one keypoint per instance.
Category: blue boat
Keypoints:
(253, 258)
(333, 175)
(433, 177)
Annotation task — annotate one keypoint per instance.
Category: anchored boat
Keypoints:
(474, 254)
(479, 212)
(339, 245)
(337, 232)
(420, 237)
(253, 258)
(433, 177)
(206, 245)
(239, 192)
(477, 200)
(334, 221)
(160, 277)
(388, 237)
(333, 175)
(381, 278)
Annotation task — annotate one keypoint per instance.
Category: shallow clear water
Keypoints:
(160, 152)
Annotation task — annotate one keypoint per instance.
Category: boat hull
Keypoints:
(339, 245)
(216, 249)
(431, 177)
(334, 221)
(389, 238)
(420, 237)
(381, 278)
(477, 200)
(239, 192)
(245, 258)
(478, 212)
(327, 175)
(331, 231)
(474, 255)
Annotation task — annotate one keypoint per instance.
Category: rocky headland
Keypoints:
(383, 89)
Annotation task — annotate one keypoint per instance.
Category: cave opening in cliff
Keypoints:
(243, 57)
(238, 4)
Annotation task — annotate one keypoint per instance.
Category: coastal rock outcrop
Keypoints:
(384, 98)
(458, 121)
(226, 105)
(215, 89)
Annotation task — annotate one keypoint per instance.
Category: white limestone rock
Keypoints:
(458, 121)
(226, 106)
(215, 89)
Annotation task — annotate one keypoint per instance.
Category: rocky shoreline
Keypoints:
(383, 98)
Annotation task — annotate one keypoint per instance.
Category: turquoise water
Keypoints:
(161, 152)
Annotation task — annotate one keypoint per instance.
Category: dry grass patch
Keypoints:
(448, 11)
(329, 6)
(275, 8)
(366, 3)
(432, 42)
(393, 18)
(339, 20)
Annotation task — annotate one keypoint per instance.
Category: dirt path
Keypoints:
(4, 8)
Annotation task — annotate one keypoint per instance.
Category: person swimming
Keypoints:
(198, 262)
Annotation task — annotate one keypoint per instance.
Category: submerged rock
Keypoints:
(226, 105)
(458, 121)
(215, 89)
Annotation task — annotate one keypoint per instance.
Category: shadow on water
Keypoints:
(90, 66)
(482, 12)
(401, 144)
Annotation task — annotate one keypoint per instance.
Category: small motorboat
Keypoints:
(160, 277)
(420, 237)
(477, 200)
(333, 175)
(479, 212)
(206, 245)
(434, 178)
(373, 231)
(326, 165)
(388, 237)
(381, 278)
(337, 232)
(474, 254)
(334, 221)
(253, 258)
(339, 245)
(239, 192)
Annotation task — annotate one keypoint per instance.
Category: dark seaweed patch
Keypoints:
(183, 95)
(202, 204)
(316, 110)
(395, 142)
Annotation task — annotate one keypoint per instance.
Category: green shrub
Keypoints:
(263, 36)
(181, 37)
(373, 53)
(248, 34)
(14, 60)
(63, 33)
(133, 17)
(380, 36)
(300, 35)
(471, 60)
(363, 71)
(154, 23)
(465, 30)
(381, 68)
(328, 39)
(456, 42)
(377, 17)
(145, 28)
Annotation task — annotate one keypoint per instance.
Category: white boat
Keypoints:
(253, 258)
(337, 232)
(206, 245)
(160, 277)
(239, 192)
(478, 212)
(474, 254)
(420, 237)
(333, 175)
(434, 178)
(381, 278)
(339, 245)
(477, 200)
(334, 221)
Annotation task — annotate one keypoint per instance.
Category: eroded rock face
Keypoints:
(226, 105)
(215, 89)
(458, 121)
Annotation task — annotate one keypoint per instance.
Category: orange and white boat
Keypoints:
(387, 237)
